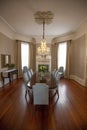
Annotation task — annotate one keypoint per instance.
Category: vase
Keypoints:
(42, 73)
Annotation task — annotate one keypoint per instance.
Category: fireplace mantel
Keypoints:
(45, 61)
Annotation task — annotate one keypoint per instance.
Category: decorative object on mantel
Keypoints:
(43, 18)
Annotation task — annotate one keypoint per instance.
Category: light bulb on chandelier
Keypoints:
(43, 49)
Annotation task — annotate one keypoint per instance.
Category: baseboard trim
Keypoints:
(79, 80)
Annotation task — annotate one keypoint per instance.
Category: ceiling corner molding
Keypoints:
(7, 24)
(64, 37)
(22, 37)
(81, 30)
(5, 29)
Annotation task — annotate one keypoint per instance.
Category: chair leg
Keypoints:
(30, 96)
(25, 93)
(57, 92)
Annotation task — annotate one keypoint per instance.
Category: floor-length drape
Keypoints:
(54, 56)
(67, 71)
(19, 60)
(33, 56)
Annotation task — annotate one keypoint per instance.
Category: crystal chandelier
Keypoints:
(43, 18)
(43, 49)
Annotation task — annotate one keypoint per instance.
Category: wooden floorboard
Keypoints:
(69, 112)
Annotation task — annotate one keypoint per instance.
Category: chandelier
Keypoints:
(43, 18)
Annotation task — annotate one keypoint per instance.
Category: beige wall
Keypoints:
(8, 46)
(78, 57)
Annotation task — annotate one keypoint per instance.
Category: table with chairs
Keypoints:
(40, 86)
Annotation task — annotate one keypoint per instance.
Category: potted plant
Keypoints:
(42, 70)
(10, 66)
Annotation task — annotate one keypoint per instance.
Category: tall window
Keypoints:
(62, 55)
(25, 54)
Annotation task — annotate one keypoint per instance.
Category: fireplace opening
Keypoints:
(43, 67)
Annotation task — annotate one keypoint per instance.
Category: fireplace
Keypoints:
(43, 61)
(41, 66)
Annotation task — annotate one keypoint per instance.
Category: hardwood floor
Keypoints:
(69, 112)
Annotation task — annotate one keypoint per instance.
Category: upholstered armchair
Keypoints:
(61, 71)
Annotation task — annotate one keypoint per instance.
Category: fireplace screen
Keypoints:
(44, 68)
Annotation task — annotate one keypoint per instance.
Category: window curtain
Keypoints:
(54, 56)
(67, 71)
(33, 56)
(19, 60)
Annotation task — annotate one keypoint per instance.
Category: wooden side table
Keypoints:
(9, 75)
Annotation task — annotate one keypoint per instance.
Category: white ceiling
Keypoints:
(19, 14)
